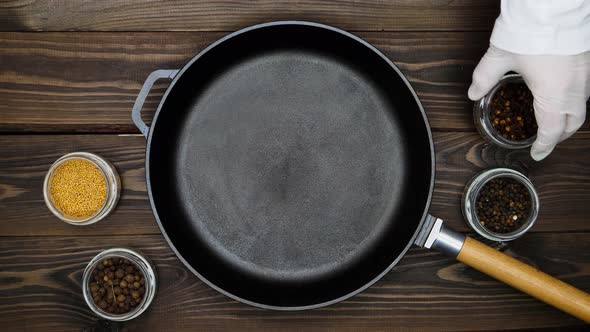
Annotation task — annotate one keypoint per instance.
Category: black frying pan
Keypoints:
(290, 165)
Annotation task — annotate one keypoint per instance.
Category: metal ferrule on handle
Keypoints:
(444, 239)
(435, 235)
(147, 86)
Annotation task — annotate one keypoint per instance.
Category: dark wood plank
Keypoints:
(225, 15)
(25, 162)
(563, 181)
(40, 290)
(88, 82)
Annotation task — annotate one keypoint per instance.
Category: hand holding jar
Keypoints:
(548, 43)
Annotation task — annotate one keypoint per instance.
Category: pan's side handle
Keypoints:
(147, 86)
(509, 270)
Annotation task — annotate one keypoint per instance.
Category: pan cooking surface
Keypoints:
(289, 165)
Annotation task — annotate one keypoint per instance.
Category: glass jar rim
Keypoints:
(471, 193)
(482, 115)
(142, 262)
(112, 183)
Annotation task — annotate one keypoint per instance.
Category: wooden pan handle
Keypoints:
(525, 278)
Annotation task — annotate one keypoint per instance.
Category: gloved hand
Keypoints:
(560, 85)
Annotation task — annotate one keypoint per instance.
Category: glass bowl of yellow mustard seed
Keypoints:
(81, 188)
(505, 116)
(500, 204)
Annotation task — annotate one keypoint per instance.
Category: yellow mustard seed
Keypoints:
(78, 188)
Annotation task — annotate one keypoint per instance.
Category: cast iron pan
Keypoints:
(290, 165)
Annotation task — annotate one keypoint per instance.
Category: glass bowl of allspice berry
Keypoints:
(505, 116)
(119, 284)
(500, 204)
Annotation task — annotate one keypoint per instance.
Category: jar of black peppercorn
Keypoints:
(505, 116)
(500, 204)
(137, 269)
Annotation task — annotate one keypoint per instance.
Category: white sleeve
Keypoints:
(556, 27)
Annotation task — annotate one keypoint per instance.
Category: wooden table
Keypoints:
(70, 72)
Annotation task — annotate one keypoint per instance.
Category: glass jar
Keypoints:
(113, 184)
(469, 203)
(481, 117)
(143, 264)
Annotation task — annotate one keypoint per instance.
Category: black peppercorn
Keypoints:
(503, 204)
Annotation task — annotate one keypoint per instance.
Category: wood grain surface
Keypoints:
(88, 82)
(70, 86)
(42, 276)
(227, 15)
(563, 181)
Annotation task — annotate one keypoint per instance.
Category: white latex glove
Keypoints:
(548, 43)
(560, 85)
